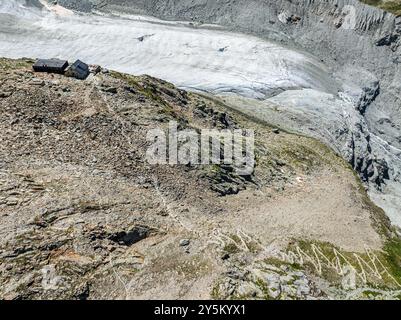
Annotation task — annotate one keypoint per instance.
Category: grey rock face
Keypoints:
(360, 85)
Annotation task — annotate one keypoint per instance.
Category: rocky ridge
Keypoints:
(84, 216)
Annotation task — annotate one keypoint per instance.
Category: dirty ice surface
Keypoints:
(204, 59)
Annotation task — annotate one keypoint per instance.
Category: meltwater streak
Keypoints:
(195, 58)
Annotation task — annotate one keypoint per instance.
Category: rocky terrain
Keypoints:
(343, 94)
(358, 42)
(84, 216)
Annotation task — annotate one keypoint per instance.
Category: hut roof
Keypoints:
(79, 70)
(50, 65)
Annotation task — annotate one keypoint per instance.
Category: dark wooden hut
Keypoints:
(50, 65)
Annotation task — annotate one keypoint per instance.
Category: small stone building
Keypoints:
(78, 70)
